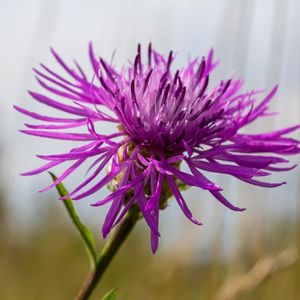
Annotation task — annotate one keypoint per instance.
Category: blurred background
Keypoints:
(249, 255)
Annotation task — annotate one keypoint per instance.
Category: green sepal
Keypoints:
(84, 232)
(181, 185)
(111, 295)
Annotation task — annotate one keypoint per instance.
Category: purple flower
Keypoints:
(163, 119)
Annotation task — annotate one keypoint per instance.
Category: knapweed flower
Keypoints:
(163, 119)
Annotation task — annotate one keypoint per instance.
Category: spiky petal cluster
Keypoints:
(163, 118)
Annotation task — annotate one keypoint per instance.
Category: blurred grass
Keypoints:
(50, 263)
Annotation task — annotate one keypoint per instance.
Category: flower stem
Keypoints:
(107, 254)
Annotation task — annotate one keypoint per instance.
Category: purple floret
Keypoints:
(162, 119)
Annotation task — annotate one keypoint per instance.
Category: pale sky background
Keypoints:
(256, 40)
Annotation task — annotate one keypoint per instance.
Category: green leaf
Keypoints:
(111, 295)
(84, 232)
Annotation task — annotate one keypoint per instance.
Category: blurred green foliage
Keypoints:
(50, 263)
(111, 295)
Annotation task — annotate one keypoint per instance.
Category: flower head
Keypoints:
(162, 119)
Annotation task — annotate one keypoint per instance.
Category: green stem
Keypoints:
(108, 253)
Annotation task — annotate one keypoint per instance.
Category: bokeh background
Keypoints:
(249, 255)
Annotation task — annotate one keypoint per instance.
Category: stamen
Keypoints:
(175, 77)
(133, 95)
(200, 72)
(164, 77)
(167, 89)
(147, 80)
(109, 74)
(105, 86)
(182, 94)
(170, 59)
(149, 54)
(162, 85)
(204, 86)
(138, 61)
